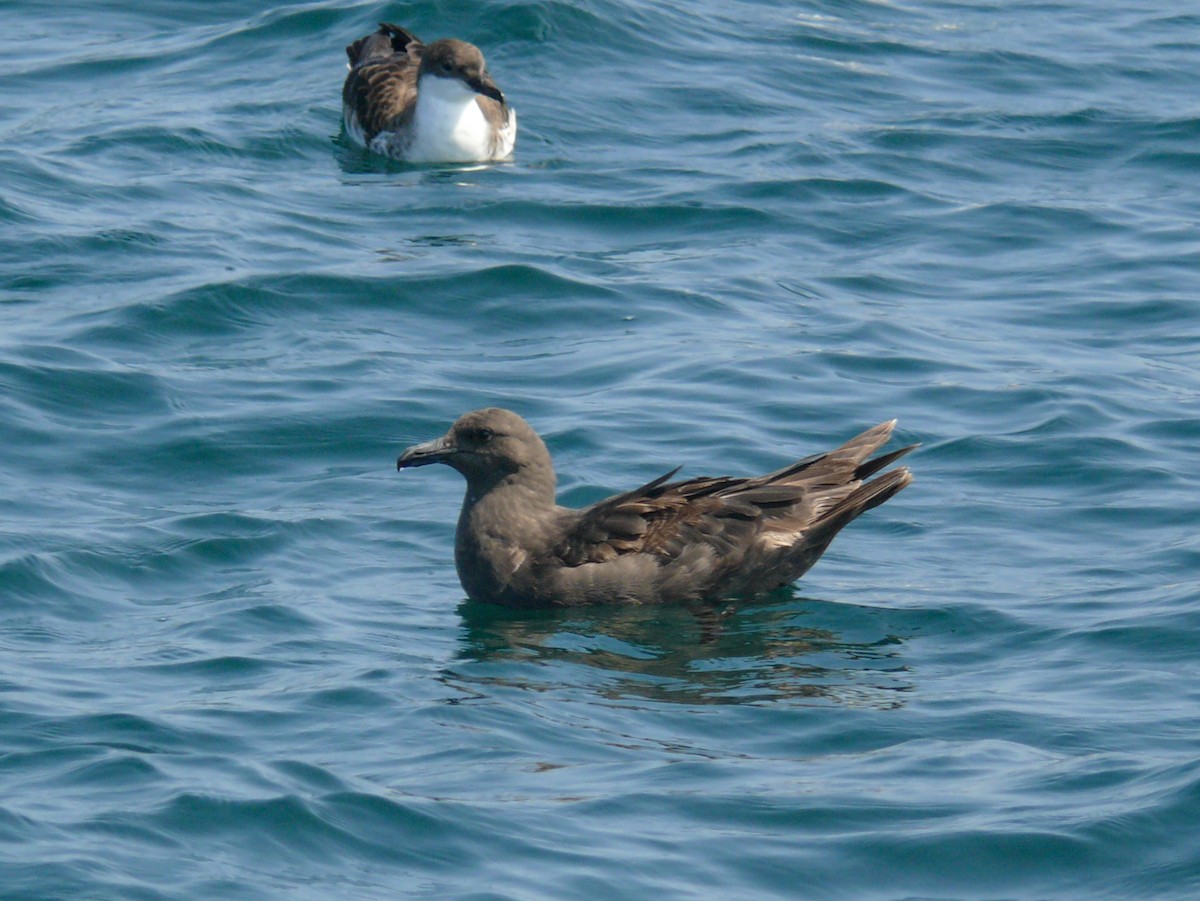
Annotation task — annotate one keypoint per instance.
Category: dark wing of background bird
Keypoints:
(382, 83)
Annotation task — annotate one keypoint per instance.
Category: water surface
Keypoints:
(235, 660)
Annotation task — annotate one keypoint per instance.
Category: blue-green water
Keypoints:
(235, 661)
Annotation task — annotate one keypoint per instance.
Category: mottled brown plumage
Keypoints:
(665, 541)
(381, 94)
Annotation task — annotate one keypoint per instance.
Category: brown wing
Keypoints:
(381, 87)
(662, 519)
(730, 515)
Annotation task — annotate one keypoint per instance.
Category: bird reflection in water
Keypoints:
(765, 651)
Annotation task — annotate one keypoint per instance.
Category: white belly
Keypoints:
(448, 125)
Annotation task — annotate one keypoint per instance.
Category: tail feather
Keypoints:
(873, 493)
(381, 44)
(818, 537)
(870, 467)
(401, 37)
(845, 459)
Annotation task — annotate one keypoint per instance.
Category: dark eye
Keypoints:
(483, 436)
(445, 67)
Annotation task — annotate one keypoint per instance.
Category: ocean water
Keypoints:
(235, 660)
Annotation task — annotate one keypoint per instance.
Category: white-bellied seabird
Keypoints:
(425, 103)
(666, 541)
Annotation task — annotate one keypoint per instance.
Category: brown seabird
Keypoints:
(421, 103)
(666, 541)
